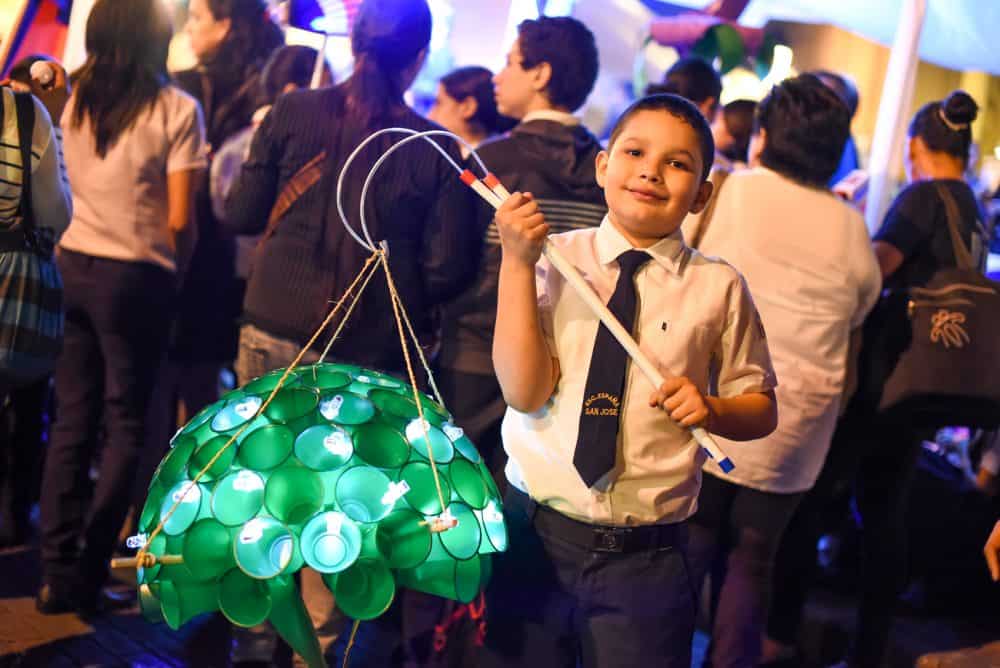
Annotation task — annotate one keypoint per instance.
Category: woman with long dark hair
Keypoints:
(465, 105)
(417, 205)
(133, 145)
(231, 40)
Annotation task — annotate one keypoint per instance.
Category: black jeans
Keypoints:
(734, 535)
(556, 604)
(876, 460)
(118, 317)
(22, 427)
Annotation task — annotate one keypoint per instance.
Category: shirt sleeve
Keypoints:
(187, 139)
(51, 198)
(744, 361)
(908, 222)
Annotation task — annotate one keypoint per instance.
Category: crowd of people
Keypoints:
(195, 229)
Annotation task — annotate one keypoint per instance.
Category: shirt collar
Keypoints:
(551, 115)
(668, 252)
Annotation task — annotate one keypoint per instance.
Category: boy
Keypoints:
(595, 574)
(550, 71)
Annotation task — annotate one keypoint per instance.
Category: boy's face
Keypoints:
(514, 87)
(652, 177)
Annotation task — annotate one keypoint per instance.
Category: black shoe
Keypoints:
(52, 600)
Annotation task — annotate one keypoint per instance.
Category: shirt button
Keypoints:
(601, 498)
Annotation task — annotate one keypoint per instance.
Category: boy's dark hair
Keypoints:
(288, 64)
(691, 78)
(681, 108)
(477, 82)
(945, 125)
(807, 125)
(738, 117)
(842, 86)
(21, 71)
(568, 47)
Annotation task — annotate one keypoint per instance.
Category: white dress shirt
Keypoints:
(807, 258)
(695, 318)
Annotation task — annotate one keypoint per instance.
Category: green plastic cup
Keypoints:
(208, 549)
(182, 602)
(468, 483)
(330, 542)
(423, 496)
(265, 384)
(238, 497)
(394, 403)
(346, 408)
(462, 540)
(324, 377)
(376, 379)
(290, 619)
(404, 539)
(440, 444)
(363, 591)
(237, 412)
(150, 514)
(493, 524)
(465, 447)
(293, 493)
(200, 418)
(188, 497)
(157, 547)
(324, 447)
(149, 604)
(173, 468)
(204, 454)
(381, 445)
(292, 403)
(263, 548)
(364, 494)
(457, 580)
(266, 447)
(243, 600)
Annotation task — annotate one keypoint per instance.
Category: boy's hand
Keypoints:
(522, 228)
(682, 401)
(992, 552)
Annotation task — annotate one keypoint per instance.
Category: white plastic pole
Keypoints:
(317, 75)
(897, 91)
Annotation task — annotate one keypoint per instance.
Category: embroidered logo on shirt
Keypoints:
(946, 329)
(602, 404)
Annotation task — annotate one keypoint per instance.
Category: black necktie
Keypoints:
(596, 443)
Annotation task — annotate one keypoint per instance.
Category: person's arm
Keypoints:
(992, 552)
(889, 258)
(183, 234)
(740, 418)
(51, 198)
(253, 194)
(525, 367)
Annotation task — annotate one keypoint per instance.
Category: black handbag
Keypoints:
(945, 364)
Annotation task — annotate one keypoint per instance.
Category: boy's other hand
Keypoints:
(992, 552)
(682, 401)
(522, 228)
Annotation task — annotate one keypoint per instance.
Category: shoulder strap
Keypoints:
(963, 257)
(25, 105)
(304, 179)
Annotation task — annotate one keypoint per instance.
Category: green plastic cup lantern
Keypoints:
(335, 473)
